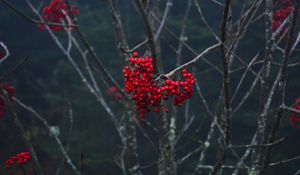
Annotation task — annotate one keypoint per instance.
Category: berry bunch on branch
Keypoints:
(281, 14)
(149, 94)
(57, 12)
(20, 160)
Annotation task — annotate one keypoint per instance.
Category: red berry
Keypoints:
(135, 54)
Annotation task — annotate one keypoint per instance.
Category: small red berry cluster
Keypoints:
(113, 92)
(281, 14)
(147, 93)
(20, 159)
(182, 90)
(54, 13)
(295, 117)
(11, 91)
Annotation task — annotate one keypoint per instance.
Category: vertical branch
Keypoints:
(150, 35)
(281, 90)
(264, 87)
(168, 154)
(118, 27)
(227, 109)
(68, 141)
(131, 145)
(167, 150)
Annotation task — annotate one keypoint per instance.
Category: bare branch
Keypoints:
(48, 127)
(259, 145)
(169, 4)
(7, 53)
(193, 61)
(14, 69)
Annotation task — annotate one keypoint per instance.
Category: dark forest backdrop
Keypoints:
(49, 84)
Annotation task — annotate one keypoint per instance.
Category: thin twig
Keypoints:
(193, 61)
(14, 69)
(226, 98)
(169, 4)
(7, 53)
(259, 145)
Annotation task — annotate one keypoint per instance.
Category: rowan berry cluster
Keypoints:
(281, 14)
(182, 90)
(20, 160)
(56, 12)
(295, 117)
(11, 91)
(113, 92)
(147, 93)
